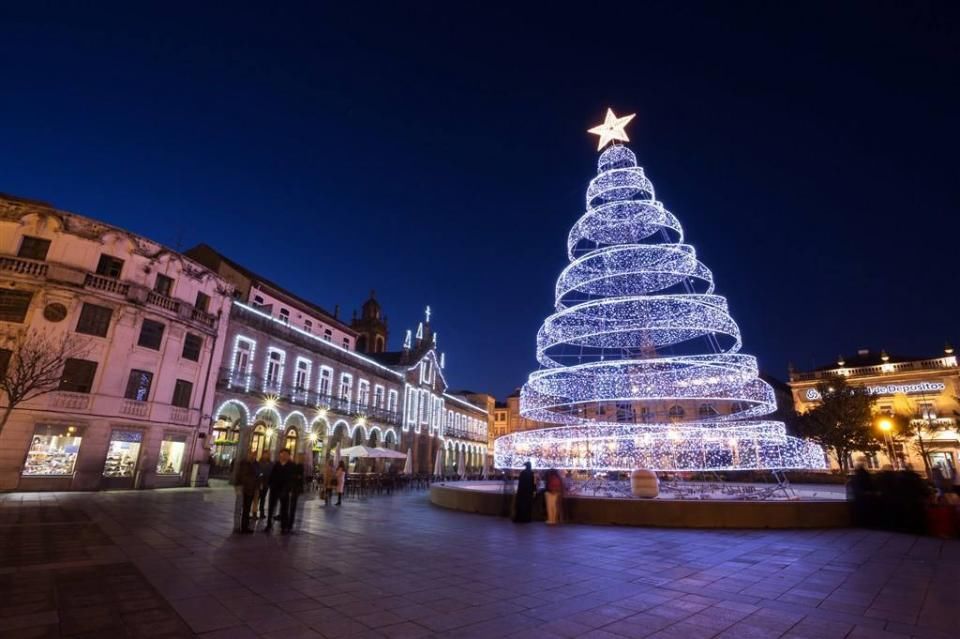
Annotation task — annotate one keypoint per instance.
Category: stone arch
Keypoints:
(228, 436)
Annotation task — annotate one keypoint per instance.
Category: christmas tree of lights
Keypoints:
(640, 364)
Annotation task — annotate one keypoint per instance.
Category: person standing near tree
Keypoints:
(523, 502)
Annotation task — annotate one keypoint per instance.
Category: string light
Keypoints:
(637, 321)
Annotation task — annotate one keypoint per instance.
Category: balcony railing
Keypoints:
(134, 408)
(304, 397)
(23, 266)
(936, 363)
(108, 284)
(70, 400)
(164, 302)
(463, 433)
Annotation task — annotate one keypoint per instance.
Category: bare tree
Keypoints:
(34, 365)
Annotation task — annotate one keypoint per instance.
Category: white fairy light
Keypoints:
(637, 322)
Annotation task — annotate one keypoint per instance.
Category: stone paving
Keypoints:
(165, 564)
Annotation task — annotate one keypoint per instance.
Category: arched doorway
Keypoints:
(263, 439)
(231, 419)
(259, 440)
(291, 440)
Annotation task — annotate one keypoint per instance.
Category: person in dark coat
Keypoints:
(296, 488)
(523, 503)
(265, 467)
(246, 479)
(281, 480)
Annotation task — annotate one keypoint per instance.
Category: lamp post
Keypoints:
(886, 425)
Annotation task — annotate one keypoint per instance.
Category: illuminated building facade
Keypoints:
(294, 376)
(924, 390)
(129, 405)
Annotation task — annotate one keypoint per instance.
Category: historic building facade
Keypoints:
(132, 333)
(924, 390)
(295, 376)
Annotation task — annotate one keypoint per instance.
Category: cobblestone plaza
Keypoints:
(166, 564)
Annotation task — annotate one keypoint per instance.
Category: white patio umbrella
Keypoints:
(438, 465)
(372, 452)
(462, 466)
(408, 467)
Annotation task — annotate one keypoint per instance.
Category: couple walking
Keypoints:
(283, 481)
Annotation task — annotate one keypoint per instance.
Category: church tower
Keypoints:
(371, 326)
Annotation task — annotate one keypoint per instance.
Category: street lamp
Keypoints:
(886, 425)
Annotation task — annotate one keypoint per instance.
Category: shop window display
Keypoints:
(171, 455)
(53, 451)
(122, 453)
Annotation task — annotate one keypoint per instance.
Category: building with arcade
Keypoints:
(295, 376)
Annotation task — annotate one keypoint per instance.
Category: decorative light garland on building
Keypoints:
(637, 321)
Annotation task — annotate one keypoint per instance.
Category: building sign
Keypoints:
(813, 394)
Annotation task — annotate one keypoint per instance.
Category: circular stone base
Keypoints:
(488, 498)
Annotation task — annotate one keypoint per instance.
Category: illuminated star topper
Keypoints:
(612, 129)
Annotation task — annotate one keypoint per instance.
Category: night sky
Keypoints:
(440, 155)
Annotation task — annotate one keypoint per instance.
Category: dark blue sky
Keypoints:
(439, 154)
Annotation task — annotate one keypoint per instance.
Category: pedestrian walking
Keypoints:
(296, 487)
(341, 481)
(265, 467)
(246, 480)
(329, 481)
(523, 502)
(554, 496)
(280, 483)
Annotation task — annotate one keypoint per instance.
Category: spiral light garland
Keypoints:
(640, 363)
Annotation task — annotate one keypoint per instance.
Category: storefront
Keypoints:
(53, 452)
(172, 454)
(121, 466)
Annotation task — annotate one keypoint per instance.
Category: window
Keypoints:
(171, 455)
(242, 360)
(14, 305)
(33, 248)
(285, 315)
(257, 299)
(308, 326)
(363, 393)
(378, 396)
(328, 335)
(392, 398)
(5, 354)
(151, 334)
(346, 343)
(676, 412)
(326, 380)
(192, 345)
(78, 375)
(706, 410)
(203, 302)
(346, 386)
(94, 320)
(182, 391)
(625, 412)
(53, 451)
(109, 266)
(926, 410)
(301, 380)
(122, 453)
(138, 385)
(274, 372)
(163, 285)
(645, 414)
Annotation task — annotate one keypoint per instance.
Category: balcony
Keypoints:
(22, 266)
(303, 397)
(69, 400)
(463, 433)
(134, 408)
(106, 284)
(937, 363)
